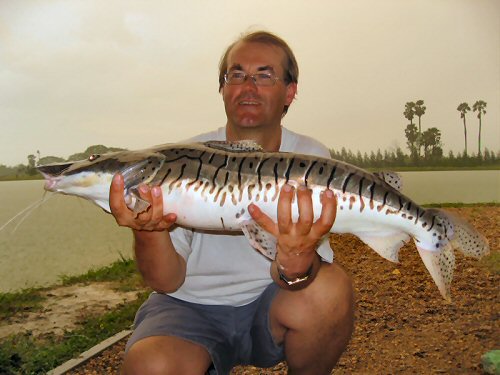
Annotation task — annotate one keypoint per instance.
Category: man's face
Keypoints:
(251, 106)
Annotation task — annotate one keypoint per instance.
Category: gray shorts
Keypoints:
(232, 335)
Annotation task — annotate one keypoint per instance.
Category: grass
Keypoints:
(26, 354)
(24, 301)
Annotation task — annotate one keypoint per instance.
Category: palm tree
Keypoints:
(463, 108)
(409, 112)
(419, 112)
(479, 107)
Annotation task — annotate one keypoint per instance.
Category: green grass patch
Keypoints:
(123, 271)
(24, 354)
(24, 301)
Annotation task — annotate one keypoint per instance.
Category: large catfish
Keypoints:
(210, 185)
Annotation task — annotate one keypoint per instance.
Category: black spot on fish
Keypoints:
(302, 164)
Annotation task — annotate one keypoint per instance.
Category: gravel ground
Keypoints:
(403, 326)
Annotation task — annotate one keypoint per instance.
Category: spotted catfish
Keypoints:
(210, 185)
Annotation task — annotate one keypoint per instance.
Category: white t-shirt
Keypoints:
(223, 269)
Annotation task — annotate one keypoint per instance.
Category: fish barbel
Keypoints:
(210, 185)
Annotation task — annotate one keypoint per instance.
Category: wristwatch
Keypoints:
(296, 280)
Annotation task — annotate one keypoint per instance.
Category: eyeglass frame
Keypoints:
(246, 76)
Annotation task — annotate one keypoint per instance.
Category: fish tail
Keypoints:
(457, 234)
(440, 265)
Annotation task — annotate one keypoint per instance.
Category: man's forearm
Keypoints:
(162, 268)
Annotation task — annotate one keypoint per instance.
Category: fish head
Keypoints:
(91, 178)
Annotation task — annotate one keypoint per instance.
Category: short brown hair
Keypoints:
(290, 65)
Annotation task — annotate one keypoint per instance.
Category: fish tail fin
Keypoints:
(458, 235)
(440, 265)
(467, 239)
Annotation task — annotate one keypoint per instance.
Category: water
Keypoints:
(452, 186)
(65, 236)
(68, 235)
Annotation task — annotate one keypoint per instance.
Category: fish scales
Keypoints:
(210, 185)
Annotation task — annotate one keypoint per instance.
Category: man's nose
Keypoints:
(250, 84)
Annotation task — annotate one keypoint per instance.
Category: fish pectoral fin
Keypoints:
(259, 239)
(143, 171)
(387, 245)
(440, 265)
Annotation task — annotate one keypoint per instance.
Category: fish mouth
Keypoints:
(50, 182)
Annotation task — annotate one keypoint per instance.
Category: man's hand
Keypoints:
(297, 242)
(150, 220)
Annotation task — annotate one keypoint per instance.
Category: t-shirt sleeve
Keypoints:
(182, 240)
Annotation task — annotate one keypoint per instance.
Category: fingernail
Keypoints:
(251, 208)
(302, 188)
(329, 194)
(143, 188)
(287, 188)
(156, 191)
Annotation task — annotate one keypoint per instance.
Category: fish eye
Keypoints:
(94, 157)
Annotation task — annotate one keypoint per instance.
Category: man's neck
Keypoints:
(268, 138)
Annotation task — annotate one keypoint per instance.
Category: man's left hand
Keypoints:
(297, 242)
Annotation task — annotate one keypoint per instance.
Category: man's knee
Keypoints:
(165, 355)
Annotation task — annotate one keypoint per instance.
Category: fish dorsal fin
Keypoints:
(391, 178)
(236, 146)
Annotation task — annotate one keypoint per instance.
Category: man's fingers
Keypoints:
(156, 203)
(306, 212)
(262, 219)
(328, 214)
(116, 200)
(285, 199)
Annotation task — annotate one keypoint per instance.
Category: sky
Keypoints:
(134, 74)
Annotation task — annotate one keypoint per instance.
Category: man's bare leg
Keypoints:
(315, 323)
(166, 355)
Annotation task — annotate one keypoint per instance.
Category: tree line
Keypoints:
(29, 170)
(425, 148)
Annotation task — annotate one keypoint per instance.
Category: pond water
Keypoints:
(68, 235)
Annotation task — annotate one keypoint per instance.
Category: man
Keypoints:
(217, 301)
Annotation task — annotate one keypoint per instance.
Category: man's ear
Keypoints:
(291, 92)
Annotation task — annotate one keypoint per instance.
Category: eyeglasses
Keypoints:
(237, 77)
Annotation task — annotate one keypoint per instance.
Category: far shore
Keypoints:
(395, 169)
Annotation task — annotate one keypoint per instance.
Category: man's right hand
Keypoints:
(150, 220)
